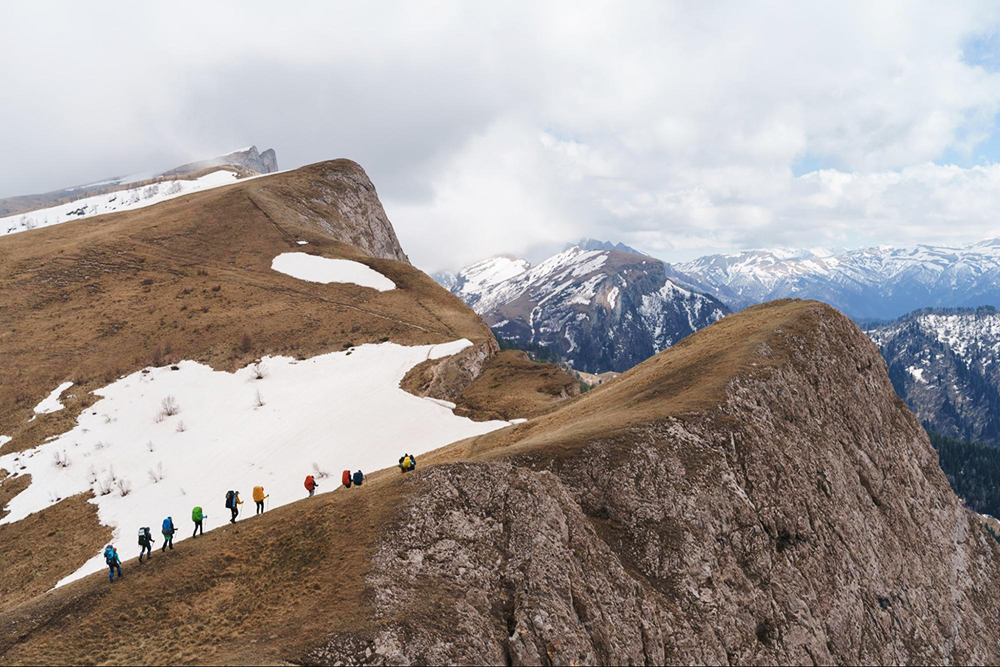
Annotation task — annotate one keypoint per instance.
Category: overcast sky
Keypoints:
(678, 128)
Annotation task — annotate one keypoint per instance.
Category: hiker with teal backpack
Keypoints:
(113, 561)
(145, 543)
(198, 516)
(168, 534)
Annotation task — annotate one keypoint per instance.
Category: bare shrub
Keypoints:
(258, 400)
(181, 427)
(319, 472)
(259, 370)
(245, 343)
(104, 488)
(156, 357)
(124, 487)
(92, 476)
(169, 406)
(156, 474)
(160, 416)
(149, 446)
(61, 459)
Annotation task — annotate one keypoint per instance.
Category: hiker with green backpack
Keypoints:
(198, 516)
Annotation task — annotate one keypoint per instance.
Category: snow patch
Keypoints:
(51, 402)
(325, 270)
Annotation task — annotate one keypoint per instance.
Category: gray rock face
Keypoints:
(803, 521)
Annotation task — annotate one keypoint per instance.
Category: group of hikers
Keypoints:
(233, 502)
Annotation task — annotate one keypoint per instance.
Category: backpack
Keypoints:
(196, 514)
(109, 554)
(346, 479)
(230, 500)
(359, 478)
(310, 483)
(168, 526)
(143, 532)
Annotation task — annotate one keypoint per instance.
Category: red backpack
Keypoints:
(346, 479)
(310, 483)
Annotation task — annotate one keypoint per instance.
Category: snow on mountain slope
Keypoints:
(122, 200)
(336, 411)
(944, 364)
(878, 282)
(602, 310)
(324, 270)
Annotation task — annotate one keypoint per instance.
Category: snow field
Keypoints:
(337, 411)
(122, 200)
(324, 270)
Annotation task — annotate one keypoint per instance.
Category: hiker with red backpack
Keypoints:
(311, 485)
(346, 479)
(233, 503)
(113, 561)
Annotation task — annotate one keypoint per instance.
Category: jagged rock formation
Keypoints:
(757, 494)
(601, 310)
(248, 158)
(945, 363)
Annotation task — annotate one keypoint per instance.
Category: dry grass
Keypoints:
(264, 591)
(93, 300)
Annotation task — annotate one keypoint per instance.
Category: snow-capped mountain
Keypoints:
(602, 310)
(878, 282)
(945, 363)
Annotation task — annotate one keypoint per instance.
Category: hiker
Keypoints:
(113, 561)
(358, 479)
(198, 516)
(146, 543)
(311, 485)
(346, 478)
(407, 463)
(233, 503)
(258, 497)
(168, 531)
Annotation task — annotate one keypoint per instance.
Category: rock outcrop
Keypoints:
(757, 494)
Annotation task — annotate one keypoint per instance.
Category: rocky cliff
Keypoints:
(756, 494)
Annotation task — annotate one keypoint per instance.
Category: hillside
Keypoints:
(755, 494)
(944, 364)
(13, 210)
(298, 274)
(600, 310)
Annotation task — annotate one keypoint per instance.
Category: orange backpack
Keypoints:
(310, 483)
(346, 479)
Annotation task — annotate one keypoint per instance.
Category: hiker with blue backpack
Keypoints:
(145, 543)
(168, 534)
(113, 561)
(233, 503)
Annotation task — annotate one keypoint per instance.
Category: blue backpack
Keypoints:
(168, 525)
(109, 555)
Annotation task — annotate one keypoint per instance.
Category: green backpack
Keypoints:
(196, 514)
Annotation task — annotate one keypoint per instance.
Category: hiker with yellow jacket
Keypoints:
(258, 497)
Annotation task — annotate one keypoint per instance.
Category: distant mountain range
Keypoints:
(945, 363)
(880, 282)
(601, 309)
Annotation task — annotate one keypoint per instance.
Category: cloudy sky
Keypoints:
(678, 128)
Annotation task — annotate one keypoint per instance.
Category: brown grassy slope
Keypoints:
(92, 300)
(685, 380)
(79, 624)
(264, 591)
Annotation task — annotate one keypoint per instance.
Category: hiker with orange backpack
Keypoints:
(346, 479)
(259, 497)
(311, 485)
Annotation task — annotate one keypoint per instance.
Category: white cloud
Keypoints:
(505, 127)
